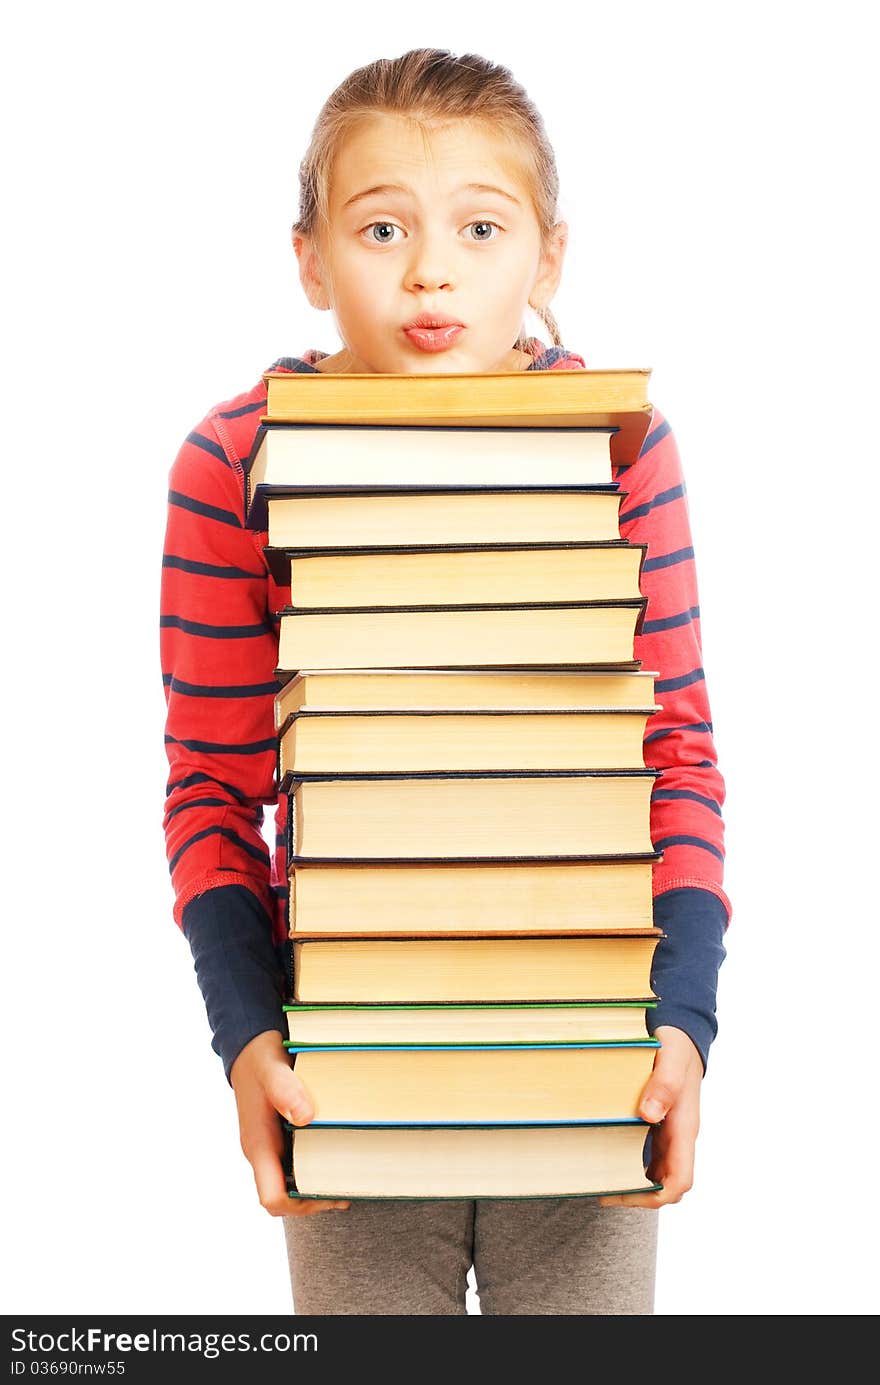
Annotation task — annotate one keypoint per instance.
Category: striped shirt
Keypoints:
(219, 626)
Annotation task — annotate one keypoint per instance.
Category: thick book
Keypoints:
(411, 968)
(373, 741)
(499, 1022)
(340, 519)
(470, 896)
(458, 814)
(554, 1159)
(458, 574)
(586, 632)
(473, 689)
(475, 1082)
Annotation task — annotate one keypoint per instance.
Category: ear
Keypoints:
(550, 267)
(311, 274)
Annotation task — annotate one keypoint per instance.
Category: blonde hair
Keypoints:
(432, 84)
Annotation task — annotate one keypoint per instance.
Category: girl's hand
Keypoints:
(265, 1088)
(671, 1097)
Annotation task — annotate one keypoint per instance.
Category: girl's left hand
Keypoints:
(671, 1102)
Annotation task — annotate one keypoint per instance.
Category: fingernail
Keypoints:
(652, 1109)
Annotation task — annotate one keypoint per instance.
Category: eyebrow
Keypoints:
(396, 187)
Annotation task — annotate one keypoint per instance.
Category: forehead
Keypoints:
(386, 148)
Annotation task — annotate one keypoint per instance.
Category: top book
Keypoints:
(560, 424)
(518, 398)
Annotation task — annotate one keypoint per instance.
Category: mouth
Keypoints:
(432, 332)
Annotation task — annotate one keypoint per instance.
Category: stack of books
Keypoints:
(460, 730)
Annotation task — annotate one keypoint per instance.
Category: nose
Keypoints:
(428, 268)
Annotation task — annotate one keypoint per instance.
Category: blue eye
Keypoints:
(486, 224)
(383, 240)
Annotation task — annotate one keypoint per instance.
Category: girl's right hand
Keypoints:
(265, 1088)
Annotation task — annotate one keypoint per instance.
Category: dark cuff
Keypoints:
(686, 963)
(237, 965)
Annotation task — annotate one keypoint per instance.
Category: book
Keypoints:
(472, 895)
(339, 519)
(575, 1159)
(616, 400)
(506, 398)
(492, 739)
(463, 574)
(473, 1082)
(458, 814)
(555, 1021)
(288, 458)
(474, 689)
(466, 967)
(587, 632)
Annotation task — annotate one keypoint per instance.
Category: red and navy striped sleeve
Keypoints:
(690, 904)
(218, 650)
(686, 804)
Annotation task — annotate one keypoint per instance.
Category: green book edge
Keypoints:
(486, 1005)
(292, 1046)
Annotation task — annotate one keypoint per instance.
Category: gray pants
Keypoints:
(530, 1256)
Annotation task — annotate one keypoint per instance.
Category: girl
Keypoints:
(428, 192)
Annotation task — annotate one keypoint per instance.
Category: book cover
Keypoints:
(486, 1160)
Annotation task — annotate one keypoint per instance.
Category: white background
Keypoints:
(718, 171)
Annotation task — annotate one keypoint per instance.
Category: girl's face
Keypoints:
(409, 233)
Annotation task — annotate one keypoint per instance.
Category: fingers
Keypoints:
(308, 1206)
(265, 1088)
(672, 1163)
(670, 1101)
(289, 1096)
(263, 1152)
(678, 1181)
(665, 1084)
(678, 1072)
(262, 1072)
(656, 1100)
(671, 1192)
(269, 1178)
(633, 1200)
(272, 1189)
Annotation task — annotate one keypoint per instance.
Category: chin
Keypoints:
(455, 360)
